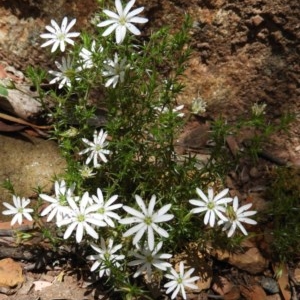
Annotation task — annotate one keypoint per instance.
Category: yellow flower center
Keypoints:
(61, 36)
(148, 220)
(81, 218)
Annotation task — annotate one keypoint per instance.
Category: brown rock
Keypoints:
(297, 275)
(257, 20)
(273, 297)
(255, 292)
(222, 286)
(251, 260)
(10, 273)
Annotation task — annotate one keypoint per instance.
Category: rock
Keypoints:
(28, 163)
(297, 275)
(26, 287)
(250, 260)
(226, 289)
(10, 273)
(254, 173)
(257, 20)
(255, 292)
(270, 285)
(273, 297)
(24, 21)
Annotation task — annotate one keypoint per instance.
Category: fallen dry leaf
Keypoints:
(41, 284)
(283, 280)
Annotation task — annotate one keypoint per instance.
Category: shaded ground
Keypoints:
(244, 52)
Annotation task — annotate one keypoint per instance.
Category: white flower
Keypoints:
(148, 258)
(237, 215)
(86, 56)
(71, 132)
(18, 210)
(65, 75)
(81, 217)
(106, 257)
(174, 110)
(179, 281)
(114, 70)
(59, 205)
(59, 36)
(258, 109)
(122, 20)
(147, 220)
(87, 172)
(104, 209)
(214, 206)
(97, 148)
(198, 106)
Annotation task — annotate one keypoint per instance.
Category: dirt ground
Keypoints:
(243, 52)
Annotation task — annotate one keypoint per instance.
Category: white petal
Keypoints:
(134, 13)
(163, 218)
(212, 219)
(27, 216)
(139, 234)
(221, 194)
(150, 238)
(9, 206)
(231, 230)
(106, 23)
(91, 231)
(127, 7)
(242, 228)
(151, 205)
(207, 217)
(110, 29)
(248, 221)
(130, 220)
(120, 34)
(64, 24)
(71, 24)
(243, 208)
(134, 229)
(133, 29)
(163, 210)
(210, 193)
(223, 200)
(183, 292)
(176, 292)
(135, 212)
(160, 231)
(198, 210)
(69, 230)
(202, 195)
(79, 232)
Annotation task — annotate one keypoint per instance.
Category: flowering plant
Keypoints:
(116, 121)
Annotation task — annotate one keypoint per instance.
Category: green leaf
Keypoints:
(3, 91)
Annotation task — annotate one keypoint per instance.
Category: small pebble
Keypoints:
(270, 285)
(257, 20)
